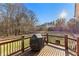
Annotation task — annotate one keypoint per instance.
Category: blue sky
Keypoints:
(47, 12)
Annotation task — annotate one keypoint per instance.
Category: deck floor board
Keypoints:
(47, 50)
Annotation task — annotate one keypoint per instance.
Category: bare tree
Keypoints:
(16, 19)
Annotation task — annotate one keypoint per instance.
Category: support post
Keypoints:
(47, 39)
(0, 50)
(22, 44)
(77, 47)
(66, 45)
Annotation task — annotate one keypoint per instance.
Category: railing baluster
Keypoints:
(66, 45)
(12, 47)
(17, 45)
(20, 45)
(4, 49)
(9, 48)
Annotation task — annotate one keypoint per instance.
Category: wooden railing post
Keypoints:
(22, 44)
(47, 39)
(0, 50)
(77, 47)
(66, 45)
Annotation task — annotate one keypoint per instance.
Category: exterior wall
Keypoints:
(77, 10)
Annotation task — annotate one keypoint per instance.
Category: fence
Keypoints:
(11, 47)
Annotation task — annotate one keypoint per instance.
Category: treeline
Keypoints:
(61, 24)
(16, 19)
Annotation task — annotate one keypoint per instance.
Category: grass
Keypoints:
(53, 40)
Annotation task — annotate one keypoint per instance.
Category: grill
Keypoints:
(36, 42)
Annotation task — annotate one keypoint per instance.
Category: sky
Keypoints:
(47, 12)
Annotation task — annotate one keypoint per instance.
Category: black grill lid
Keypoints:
(38, 35)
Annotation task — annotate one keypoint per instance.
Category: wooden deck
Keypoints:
(48, 50)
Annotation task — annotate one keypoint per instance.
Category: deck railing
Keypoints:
(19, 45)
(13, 46)
(71, 45)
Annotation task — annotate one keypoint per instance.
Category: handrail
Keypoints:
(9, 41)
(72, 39)
(60, 37)
(4, 42)
(56, 36)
